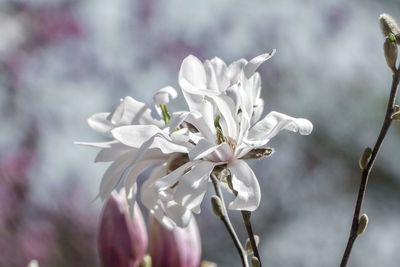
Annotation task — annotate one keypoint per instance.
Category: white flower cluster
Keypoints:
(222, 127)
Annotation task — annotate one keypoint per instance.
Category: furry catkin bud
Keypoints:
(366, 156)
(388, 25)
(247, 246)
(255, 262)
(390, 50)
(217, 206)
(362, 224)
(396, 116)
(208, 264)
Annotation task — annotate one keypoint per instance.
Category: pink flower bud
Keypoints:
(122, 241)
(180, 247)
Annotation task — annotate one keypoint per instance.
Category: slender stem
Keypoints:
(225, 219)
(365, 173)
(247, 222)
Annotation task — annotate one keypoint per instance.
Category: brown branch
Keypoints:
(367, 170)
(225, 219)
(247, 222)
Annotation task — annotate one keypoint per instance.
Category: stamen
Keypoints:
(165, 114)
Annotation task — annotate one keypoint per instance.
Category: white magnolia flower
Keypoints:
(221, 128)
(139, 141)
(224, 110)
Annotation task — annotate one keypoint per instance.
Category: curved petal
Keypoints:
(253, 64)
(205, 127)
(131, 111)
(216, 74)
(135, 135)
(100, 123)
(226, 107)
(192, 71)
(164, 95)
(114, 173)
(273, 123)
(193, 186)
(246, 185)
(173, 177)
(193, 81)
(112, 152)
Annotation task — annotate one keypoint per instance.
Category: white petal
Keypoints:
(114, 174)
(96, 144)
(192, 71)
(193, 185)
(253, 64)
(100, 123)
(131, 111)
(257, 111)
(112, 152)
(274, 122)
(235, 69)
(217, 79)
(172, 178)
(245, 183)
(193, 81)
(167, 146)
(135, 135)
(164, 95)
(202, 149)
(133, 172)
(226, 108)
(180, 215)
(206, 128)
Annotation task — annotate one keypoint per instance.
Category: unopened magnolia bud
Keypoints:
(217, 206)
(122, 240)
(146, 261)
(366, 156)
(362, 224)
(179, 247)
(248, 247)
(255, 262)
(390, 50)
(388, 25)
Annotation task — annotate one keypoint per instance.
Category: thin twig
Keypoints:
(225, 219)
(247, 222)
(367, 170)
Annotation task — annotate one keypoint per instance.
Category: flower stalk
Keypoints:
(247, 222)
(225, 219)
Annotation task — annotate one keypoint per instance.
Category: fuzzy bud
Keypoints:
(390, 50)
(247, 246)
(362, 224)
(255, 262)
(208, 264)
(217, 206)
(364, 160)
(396, 115)
(388, 25)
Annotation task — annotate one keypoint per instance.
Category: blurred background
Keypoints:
(63, 60)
